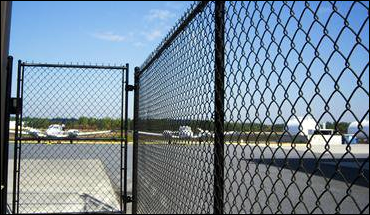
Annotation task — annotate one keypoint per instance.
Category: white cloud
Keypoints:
(158, 14)
(153, 35)
(139, 44)
(109, 36)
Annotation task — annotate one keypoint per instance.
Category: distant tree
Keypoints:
(83, 122)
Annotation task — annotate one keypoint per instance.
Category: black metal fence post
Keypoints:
(125, 197)
(5, 155)
(16, 141)
(135, 147)
(219, 107)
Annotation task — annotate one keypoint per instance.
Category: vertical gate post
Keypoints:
(219, 107)
(5, 155)
(121, 183)
(135, 147)
(125, 197)
(18, 128)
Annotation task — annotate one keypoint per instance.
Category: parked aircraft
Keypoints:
(185, 132)
(58, 131)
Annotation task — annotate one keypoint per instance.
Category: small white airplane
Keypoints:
(58, 131)
(185, 132)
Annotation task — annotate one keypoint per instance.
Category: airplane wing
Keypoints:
(30, 131)
(151, 134)
(78, 134)
(23, 132)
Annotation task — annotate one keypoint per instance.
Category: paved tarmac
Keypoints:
(54, 180)
(62, 185)
(65, 178)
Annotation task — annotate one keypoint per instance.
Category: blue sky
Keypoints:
(127, 32)
(109, 32)
(97, 32)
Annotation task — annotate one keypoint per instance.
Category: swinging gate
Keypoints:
(70, 142)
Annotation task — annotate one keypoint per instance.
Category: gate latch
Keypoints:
(14, 105)
(127, 199)
(130, 88)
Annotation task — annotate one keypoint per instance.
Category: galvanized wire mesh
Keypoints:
(69, 148)
(296, 111)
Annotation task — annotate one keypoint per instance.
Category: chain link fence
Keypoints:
(257, 107)
(69, 139)
(175, 173)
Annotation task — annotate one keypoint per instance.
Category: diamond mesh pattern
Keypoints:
(296, 100)
(61, 172)
(176, 174)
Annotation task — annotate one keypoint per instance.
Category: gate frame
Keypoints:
(126, 88)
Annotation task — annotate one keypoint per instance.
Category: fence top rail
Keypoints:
(24, 64)
(177, 29)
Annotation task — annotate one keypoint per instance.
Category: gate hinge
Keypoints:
(130, 88)
(127, 199)
(14, 105)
